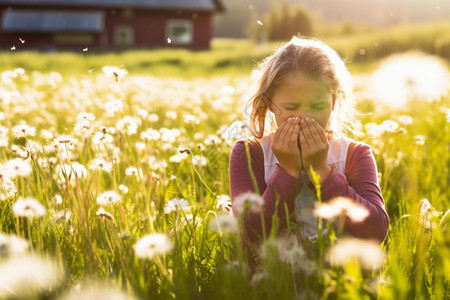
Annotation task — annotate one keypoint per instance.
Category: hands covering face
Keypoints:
(300, 143)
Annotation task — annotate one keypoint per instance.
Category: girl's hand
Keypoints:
(285, 146)
(314, 146)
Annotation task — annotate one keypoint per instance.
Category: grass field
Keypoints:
(118, 189)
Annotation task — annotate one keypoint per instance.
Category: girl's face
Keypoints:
(304, 97)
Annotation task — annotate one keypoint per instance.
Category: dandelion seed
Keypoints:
(224, 223)
(4, 136)
(169, 135)
(342, 206)
(28, 208)
(17, 167)
(23, 131)
(86, 116)
(178, 157)
(406, 120)
(101, 212)
(388, 126)
(83, 128)
(367, 253)
(109, 197)
(100, 137)
(13, 48)
(247, 202)
(150, 135)
(171, 114)
(123, 189)
(176, 205)
(114, 72)
(223, 203)
(99, 164)
(91, 70)
(22, 41)
(85, 49)
(191, 119)
(65, 140)
(153, 118)
(259, 22)
(70, 170)
(114, 106)
(152, 245)
(189, 219)
(26, 277)
(133, 171)
(12, 245)
(169, 40)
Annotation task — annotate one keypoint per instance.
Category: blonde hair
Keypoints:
(316, 60)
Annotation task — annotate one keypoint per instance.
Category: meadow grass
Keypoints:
(233, 56)
(134, 124)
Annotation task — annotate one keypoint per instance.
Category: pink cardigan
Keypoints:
(359, 182)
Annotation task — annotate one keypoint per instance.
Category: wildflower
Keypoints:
(140, 146)
(86, 117)
(123, 188)
(405, 119)
(108, 197)
(178, 157)
(224, 223)
(199, 160)
(153, 244)
(171, 114)
(143, 113)
(70, 170)
(248, 201)
(420, 139)
(12, 245)
(189, 219)
(150, 135)
(114, 106)
(26, 276)
(133, 171)
(153, 118)
(28, 208)
(23, 130)
(169, 135)
(99, 164)
(114, 72)
(17, 167)
(367, 253)
(83, 128)
(223, 203)
(57, 199)
(191, 119)
(212, 139)
(176, 205)
(128, 124)
(388, 126)
(154, 164)
(373, 129)
(342, 206)
(101, 212)
(100, 137)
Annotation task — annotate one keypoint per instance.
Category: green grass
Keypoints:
(229, 57)
(203, 264)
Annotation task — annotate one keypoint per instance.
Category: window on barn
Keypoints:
(123, 35)
(179, 31)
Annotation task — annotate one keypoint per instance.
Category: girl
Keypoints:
(306, 87)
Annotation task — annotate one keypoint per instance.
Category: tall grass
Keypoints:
(88, 246)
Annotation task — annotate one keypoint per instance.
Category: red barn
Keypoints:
(106, 24)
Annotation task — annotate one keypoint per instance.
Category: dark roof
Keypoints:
(199, 5)
(52, 21)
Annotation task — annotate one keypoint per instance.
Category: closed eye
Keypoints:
(319, 106)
